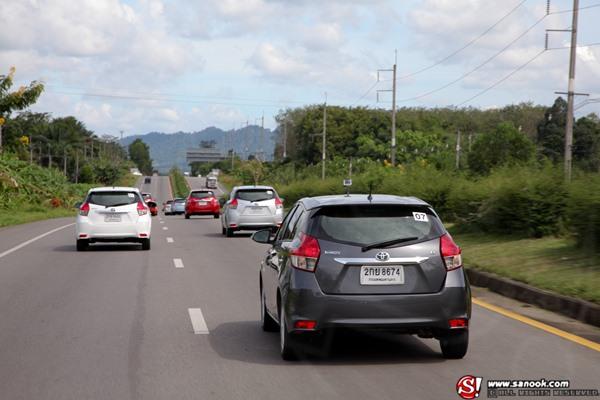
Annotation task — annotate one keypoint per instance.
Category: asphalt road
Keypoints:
(114, 323)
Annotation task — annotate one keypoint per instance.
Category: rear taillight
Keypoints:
(84, 209)
(305, 324)
(278, 203)
(458, 323)
(306, 255)
(450, 253)
(233, 204)
(141, 208)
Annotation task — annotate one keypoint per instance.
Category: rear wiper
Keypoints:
(388, 243)
(117, 205)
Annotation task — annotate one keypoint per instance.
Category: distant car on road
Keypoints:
(152, 205)
(202, 202)
(251, 208)
(380, 263)
(211, 182)
(113, 214)
(186, 173)
(167, 207)
(178, 206)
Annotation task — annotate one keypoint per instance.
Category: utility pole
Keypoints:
(284, 138)
(232, 148)
(571, 94)
(393, 90)
(246, 141)
(77, 166)
(568, 161)
(262, 135)
(324, 138)
(458, 149)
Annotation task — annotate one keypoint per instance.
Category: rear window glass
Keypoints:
(113, 199)
(179, 201)
(201, 195)
(255, 194)
(368, 224)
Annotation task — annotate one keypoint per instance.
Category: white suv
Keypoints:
(113, 214)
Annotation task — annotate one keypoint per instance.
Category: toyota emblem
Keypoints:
(382, 256)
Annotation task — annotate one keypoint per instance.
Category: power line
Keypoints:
(468, 44)
(366, 93)
(479, 66)
(532, 59)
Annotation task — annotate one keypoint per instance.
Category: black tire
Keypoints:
(223, 231)
(187, 216)
(229, 232)
(454, 345)
(286, 340)
(82, 244)
(267, 322)
(145, 244)
(216, 216)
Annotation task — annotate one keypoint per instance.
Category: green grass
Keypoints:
(549, 263)
(22, 216)
(178, 183)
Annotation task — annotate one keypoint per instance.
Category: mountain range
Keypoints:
(168, 149)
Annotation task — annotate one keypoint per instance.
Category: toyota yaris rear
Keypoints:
(384, 264)
(113, 214)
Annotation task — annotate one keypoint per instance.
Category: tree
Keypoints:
(504, 146)
(586, 143)
(551, 131)
(139, 153)
(19, 100)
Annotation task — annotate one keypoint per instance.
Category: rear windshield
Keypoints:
(113, 198)
(368, 224)
(255, 194)
(201, 195)
(179, 201)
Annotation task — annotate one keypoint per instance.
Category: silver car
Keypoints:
(178, 206)
(251, 208)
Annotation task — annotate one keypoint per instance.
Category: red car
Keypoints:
(151, 203)
(202, 202)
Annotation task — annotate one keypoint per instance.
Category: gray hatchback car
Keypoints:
(364, 262)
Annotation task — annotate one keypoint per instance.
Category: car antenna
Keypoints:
(370, 196)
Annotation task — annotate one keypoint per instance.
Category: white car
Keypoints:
(113, 214)
(251, 208)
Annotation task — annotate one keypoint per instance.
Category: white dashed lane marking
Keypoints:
(165, 228)
(198, 322)
(178, 263)
(170, 240)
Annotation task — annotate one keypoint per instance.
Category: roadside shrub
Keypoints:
(583, 212)
(524, 201)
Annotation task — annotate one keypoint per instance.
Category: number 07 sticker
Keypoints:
(421, 217)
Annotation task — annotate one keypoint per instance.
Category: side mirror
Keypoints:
(78, 204)
(264, 236)
(222, 201)
(282, 199)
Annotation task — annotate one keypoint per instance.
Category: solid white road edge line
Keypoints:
(198, 322)
(178, 263)
(7, 252)
(170, 240)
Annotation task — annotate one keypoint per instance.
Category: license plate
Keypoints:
(256, 210)
(202, 203)
(381, 275)
(112, 218)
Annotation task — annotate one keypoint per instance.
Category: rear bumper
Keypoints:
(414, 313)
(119, 232)
(251, 222)
(199, 210)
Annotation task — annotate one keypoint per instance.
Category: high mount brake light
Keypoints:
(306, 255)
(450, 252)
(141, 208)
(84, 209)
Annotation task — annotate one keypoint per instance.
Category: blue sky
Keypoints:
(171, 65)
